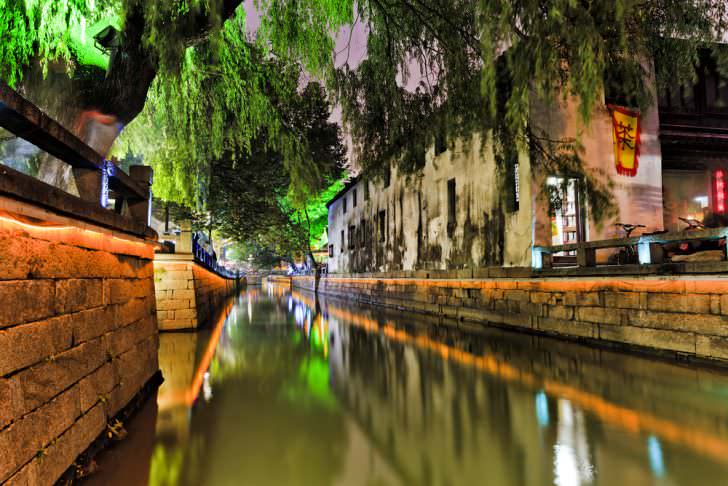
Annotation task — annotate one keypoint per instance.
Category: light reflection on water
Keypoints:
(287, 390)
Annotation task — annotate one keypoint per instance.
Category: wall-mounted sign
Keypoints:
(626, 139)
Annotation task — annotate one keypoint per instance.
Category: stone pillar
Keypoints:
(88, 182)
(139, 207)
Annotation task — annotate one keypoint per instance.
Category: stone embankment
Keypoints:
(78, 331)
(681, 315)
(187, 293)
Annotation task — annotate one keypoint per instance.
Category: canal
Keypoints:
(284, 389)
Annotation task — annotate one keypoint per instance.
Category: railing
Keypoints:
(649, 247)
(96, 178)
(206, 260)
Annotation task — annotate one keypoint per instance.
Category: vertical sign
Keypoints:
(626, 139)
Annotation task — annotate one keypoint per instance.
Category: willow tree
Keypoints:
(257, 197)
(482, 64)
(44, 47)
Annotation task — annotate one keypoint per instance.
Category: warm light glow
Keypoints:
(720, 193)
(76, 235)
(188, 396)
(634, 421)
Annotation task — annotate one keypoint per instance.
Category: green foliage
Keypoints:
(41, 30)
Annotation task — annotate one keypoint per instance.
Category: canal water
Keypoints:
(284, 389)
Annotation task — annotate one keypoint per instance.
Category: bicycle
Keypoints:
(628, 254)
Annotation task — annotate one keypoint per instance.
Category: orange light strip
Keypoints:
(631, 420)
(74, 234)
(189, 395)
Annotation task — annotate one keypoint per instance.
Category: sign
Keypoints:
(626, 139)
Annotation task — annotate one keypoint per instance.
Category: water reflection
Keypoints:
(284, 389)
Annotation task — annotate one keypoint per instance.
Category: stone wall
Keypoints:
(78, 335)
(676, 315)
(187, 293)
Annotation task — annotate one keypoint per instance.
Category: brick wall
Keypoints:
(187, 294)
(78, 339)
(685, 315)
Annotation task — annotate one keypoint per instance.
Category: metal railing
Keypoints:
(208, 261)
(649, 247)
(96, 178)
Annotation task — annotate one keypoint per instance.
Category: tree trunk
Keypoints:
(96, 105)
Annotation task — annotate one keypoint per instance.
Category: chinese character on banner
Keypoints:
(626, 139)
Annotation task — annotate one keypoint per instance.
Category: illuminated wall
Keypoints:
(78, 336)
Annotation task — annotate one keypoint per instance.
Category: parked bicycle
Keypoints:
(628, 254)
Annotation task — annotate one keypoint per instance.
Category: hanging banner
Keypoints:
(626, 139)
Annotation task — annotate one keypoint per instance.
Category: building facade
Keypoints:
(463, 211)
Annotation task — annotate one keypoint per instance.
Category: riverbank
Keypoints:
(680, 316)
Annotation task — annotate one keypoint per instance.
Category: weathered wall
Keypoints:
(487, 232)
(685, 315)
(638, 200)
(78, 336)
(415, 207)
(187, 294)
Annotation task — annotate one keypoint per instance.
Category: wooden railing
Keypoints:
(649, 248)
(95, 176)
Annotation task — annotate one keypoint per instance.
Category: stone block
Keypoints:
(28, 344)
(177, 275)
(592, 299)
(723, 304)
(177, 324)
(27, 476)
(123, 339)
(715, 304)
(712, 347)
(517, 295)
(98, 384)
(28, 437)
(652, 338)
(130, 311)
(541, 297)
(693, 303)
(43, 381)
(563, 312)
(706, 324)
(78, 294)
(15, 257)
(183, 294)
(185, 314)
(172, 284)
(31, 300)
(566, 327)
(622, 300)
(171, 304)
(90, 324)
(61, 454)
(11, 401)
(118, 291)
(600, 315)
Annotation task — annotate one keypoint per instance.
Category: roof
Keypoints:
(348, 185)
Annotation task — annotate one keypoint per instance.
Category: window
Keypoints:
(331, 251)
(362, 233)
(343, 241)
(366, 190)
(352, 236)
(382, 225)
(344, 204)
(451, 207)
(354, 199)
(387, 177)
(440, 143)
(513, 183)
